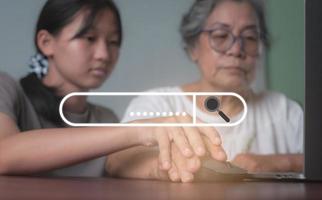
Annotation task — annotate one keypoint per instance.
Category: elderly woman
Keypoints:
(225, 39)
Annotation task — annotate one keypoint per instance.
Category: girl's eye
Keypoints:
(90, 38)
(114, 43)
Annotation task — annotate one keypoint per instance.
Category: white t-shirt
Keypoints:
(273, 124)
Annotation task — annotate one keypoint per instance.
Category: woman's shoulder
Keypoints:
(278, 119)
(276, 98)
(155, 98)
(277, 102)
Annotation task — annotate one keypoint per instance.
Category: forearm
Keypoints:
(136, 162)
(296, 162)
(285, 162)
(47, 149)
(270, 163)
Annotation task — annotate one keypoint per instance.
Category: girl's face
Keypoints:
(232, 69)
(84, 63)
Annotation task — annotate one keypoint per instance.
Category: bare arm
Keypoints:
(135, 162)
(46, 149)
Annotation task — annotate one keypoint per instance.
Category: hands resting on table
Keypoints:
(180, 155)
(184, 169)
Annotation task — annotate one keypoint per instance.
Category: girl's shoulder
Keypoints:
(7, 81)
(9, 87)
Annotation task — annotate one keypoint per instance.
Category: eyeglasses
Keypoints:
(222, 40)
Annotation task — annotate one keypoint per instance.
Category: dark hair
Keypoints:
(54, 16)
(194, 20)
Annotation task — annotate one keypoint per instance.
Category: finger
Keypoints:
(216, 152)
(164, 146)
(193, 164)
(211, 133)
(181, 141)
(193, 136)
(173, 173)
(181, 165)
(242, 161)
(195, 140)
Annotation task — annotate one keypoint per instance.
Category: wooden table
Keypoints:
(109, 188)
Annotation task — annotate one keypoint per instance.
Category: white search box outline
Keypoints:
(193, 94)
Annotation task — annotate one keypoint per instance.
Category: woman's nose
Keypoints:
(237, 48)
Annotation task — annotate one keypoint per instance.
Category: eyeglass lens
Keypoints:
(223, 40)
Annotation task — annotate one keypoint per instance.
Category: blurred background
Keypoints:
(152, 54)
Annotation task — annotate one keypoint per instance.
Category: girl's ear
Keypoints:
(45, 42)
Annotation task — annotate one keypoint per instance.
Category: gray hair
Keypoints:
(194, 20)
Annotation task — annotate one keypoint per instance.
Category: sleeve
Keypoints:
(287, 124)
(296, 120)
(8, 96)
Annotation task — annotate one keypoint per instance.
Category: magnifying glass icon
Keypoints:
(212, 104)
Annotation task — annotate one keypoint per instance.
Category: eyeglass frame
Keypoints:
(239, 38)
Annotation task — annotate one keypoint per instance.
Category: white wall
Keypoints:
(17, 21)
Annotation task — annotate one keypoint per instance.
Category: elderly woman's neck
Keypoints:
(200, 86)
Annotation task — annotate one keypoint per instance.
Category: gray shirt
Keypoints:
(15, 104)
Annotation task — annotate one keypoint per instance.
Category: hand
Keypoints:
(183, 169)
(263, 163)
(187, 139)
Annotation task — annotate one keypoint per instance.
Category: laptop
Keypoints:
(312, 115)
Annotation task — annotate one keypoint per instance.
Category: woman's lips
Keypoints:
(101, 72)
(235, 69)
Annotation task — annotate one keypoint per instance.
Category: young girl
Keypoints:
(78, 43)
